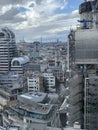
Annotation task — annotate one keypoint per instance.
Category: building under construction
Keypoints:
(83, 69)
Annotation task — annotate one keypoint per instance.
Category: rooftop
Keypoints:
(35, 108)
(21, 60)
(67, 128)
(6, 33)
(33, 96)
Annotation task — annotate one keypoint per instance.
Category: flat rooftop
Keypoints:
(37, 108)
(33, 96)
(69, 128)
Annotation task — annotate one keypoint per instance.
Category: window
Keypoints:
(30, 121)
(16, 63)
(27, 121)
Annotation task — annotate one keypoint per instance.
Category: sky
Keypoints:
(39, 19)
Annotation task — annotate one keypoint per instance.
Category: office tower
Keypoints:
(7, 49)
(87, 56)
(83, 79)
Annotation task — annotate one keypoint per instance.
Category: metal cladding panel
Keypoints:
(86, 46)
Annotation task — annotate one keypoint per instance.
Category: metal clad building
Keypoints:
(91, 103)
(86, 47)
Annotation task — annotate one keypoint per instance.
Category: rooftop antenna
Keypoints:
(41, 40)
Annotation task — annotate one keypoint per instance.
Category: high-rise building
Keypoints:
(83, 77)
(7, 49)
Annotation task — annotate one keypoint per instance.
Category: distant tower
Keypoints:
(36, 43)
(41, 40)
(8, 49)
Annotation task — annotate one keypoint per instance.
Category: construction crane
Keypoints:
(94, 19)
(85, 22)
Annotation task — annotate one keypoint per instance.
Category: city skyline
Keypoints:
(33, 19)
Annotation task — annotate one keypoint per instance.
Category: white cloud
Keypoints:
(35, 18)
(4, 9)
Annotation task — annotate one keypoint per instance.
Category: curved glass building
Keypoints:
(8, 49)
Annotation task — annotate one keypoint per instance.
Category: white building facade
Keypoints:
(35, 83)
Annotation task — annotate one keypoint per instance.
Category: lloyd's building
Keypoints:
(83, 66)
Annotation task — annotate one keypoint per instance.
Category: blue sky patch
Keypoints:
(71, 6)
(23, 9)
